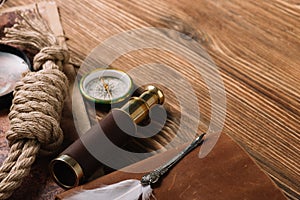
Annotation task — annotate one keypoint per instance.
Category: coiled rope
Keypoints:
(38, 101)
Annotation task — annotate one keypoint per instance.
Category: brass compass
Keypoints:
(106, 86)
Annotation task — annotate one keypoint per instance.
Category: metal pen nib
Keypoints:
(154, 176)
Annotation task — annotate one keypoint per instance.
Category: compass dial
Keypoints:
(106, 86)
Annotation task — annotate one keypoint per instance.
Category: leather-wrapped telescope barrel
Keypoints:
(76, 163)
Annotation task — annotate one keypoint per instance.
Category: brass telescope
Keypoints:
(75, 164)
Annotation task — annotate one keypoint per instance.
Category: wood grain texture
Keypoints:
(254, 43)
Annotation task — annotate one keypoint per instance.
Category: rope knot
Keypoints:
(55, 54)
(38, 99)
(36, 109)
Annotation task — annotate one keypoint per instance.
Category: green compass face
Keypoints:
(106, 86)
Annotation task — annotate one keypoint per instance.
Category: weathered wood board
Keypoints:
(255, 44)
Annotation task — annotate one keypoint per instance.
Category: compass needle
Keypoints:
(106, 87)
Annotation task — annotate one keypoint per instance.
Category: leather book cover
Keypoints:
(227, 172)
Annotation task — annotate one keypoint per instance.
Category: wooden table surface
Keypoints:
(255, 44)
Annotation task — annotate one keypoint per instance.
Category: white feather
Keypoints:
(125, 190)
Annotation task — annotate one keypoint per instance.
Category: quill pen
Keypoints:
(134, 189)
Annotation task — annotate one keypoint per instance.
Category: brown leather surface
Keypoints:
(226, 173)
(95, 138)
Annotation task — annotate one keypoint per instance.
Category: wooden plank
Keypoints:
(254, 43)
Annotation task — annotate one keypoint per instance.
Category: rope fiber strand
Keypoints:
(38, 101)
